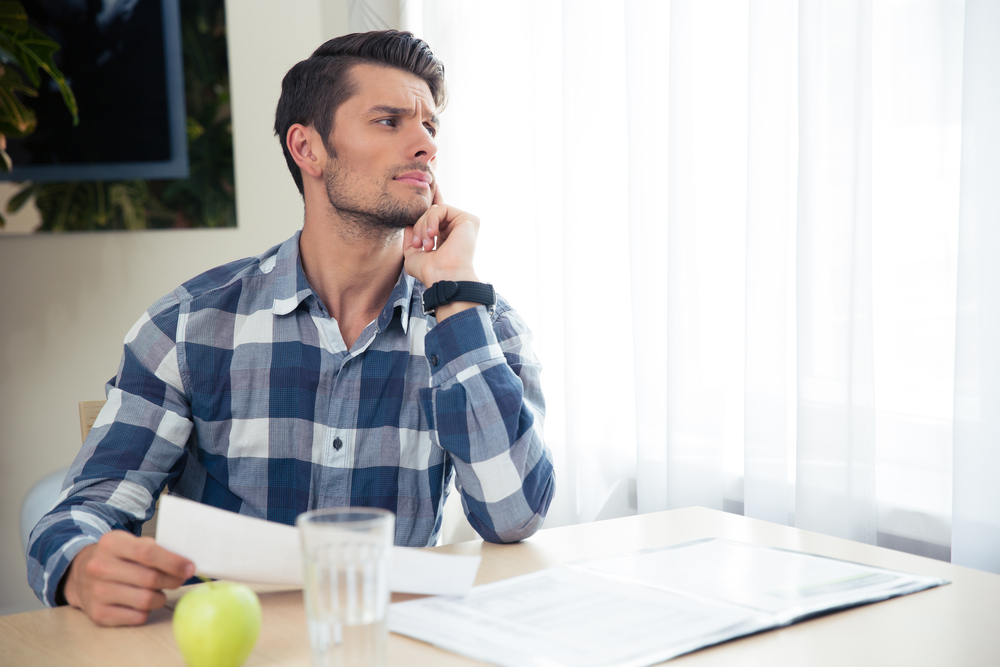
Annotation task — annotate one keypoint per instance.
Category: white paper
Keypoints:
(641, 609)
(226, 545)
(786, 583)
(563, 617)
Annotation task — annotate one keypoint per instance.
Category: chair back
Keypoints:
(88, 415)
(39, 499)
(44, 494)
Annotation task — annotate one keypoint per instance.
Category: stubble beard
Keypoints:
(377, 215)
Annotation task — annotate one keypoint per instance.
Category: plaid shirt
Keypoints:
(237, 390)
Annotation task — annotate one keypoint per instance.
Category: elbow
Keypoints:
(536, 496)
(518, 533)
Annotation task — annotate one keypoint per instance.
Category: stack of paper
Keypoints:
(637, 610)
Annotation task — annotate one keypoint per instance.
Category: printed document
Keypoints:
(644, 608)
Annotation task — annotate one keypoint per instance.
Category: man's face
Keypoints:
(380, 171)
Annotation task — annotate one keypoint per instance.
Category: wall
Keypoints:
(66, 301)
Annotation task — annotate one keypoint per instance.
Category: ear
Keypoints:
(307, 149)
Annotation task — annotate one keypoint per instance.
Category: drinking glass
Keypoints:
(346, 561)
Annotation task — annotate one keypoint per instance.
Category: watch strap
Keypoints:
(449, 291)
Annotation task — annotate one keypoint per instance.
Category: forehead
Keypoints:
(376, 85)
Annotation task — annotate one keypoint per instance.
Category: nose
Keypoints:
(422, 146)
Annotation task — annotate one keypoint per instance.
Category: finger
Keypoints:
(131, 597)
(426, 228)
(446, 220)
(432, 225)
(409, 237)
(419, 235)
(145, 551)
(118, 570)
(440, 223)
(415, 264)
(111, 615)
(438, 197)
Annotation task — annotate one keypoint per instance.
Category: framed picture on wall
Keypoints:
(153, 146)
(123, 60)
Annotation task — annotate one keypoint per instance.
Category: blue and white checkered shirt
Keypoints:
(237, 390)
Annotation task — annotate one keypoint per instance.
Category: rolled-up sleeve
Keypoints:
(486, 409)
(135, 448)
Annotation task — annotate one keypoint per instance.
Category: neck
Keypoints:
(351, 269)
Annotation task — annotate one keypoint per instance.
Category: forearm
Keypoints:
(135, 446)
(455, 274)
(54, 543)
(486, 409)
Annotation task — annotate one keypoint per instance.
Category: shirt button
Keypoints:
(434, 360)
(338, 443)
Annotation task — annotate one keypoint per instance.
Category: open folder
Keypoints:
(643, 608)
(226, 545)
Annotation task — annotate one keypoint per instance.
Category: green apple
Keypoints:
(216, 624)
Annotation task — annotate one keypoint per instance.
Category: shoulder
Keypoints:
(229, 287)
(223, 288)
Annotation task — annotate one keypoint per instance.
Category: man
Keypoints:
(311, 375)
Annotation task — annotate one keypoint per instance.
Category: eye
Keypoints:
(431, 130)
(388, 122)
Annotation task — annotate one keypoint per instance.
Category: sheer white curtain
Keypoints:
(734, 228)
(976, 510)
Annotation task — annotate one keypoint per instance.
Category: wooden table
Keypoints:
(958, 624)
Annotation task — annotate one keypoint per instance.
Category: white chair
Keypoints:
(40, 499)
(44, 494)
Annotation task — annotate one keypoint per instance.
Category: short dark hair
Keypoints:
(314, 89)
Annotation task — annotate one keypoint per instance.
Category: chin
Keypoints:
(400, 218)
(417, 209)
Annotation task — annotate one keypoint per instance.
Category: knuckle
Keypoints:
(147, 599)
(101, 615)
(95, 567)
(145, 549)
(100, 590)
(149, 579)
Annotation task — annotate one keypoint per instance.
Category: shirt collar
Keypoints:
(399, 298)
(290, 285)
(292, 288)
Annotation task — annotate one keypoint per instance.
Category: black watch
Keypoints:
(449, 291)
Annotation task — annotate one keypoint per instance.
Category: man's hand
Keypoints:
(119, 580)
(456, 232)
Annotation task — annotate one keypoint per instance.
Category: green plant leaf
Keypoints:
(128, 198)
(33, 50)
(206, 197)
(22, 197)
(194, 129)
(12, 16)
(16, 120)
(5, 162)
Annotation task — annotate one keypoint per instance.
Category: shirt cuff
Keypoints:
(461, 341)
(63, 559)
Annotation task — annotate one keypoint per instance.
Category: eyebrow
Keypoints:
(399, 111)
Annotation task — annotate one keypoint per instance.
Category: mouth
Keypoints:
(420, 179)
